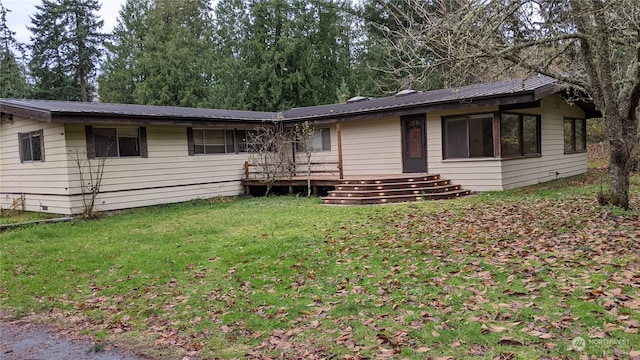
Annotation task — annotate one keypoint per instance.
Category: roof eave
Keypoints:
(514, 98)
(103, 119)
(547, 90)
(26, 112)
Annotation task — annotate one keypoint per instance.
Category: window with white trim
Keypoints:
(31, 146)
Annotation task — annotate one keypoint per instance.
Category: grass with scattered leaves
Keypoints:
(503, 275)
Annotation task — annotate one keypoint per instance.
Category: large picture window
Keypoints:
(468, 136)
(216, 141)
(501, 135)
(31, 146)
(114, 142)
(321, 141)
(575, 135)
(519, 134)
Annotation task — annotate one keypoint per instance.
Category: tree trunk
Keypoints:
(619, 166)
(623, 139)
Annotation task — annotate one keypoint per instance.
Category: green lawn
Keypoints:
(516, 274)
(16, 217)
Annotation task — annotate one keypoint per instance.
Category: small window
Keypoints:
(216, 141)
(321, 141)
(519, 134)
(116, 142)
(575, 135)
(31, 146)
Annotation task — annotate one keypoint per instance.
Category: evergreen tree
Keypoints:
(121, 68)
(66, 47)
(50, 69)
(281, 53)
(85, 42)
(175, 66)
(13, 83)
(332, 39)
(230, 78)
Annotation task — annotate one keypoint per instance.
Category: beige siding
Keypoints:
(553, 162)
(155, 196)
(496, 174)
(167, 175)
(473, 174)
(44, 185)
(372, 147)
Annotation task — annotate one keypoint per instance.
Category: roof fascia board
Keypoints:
(463, 104)
(548, 90)
(529, 105)
(39, 115)
(81, 119)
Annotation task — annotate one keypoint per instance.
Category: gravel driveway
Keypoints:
(22, 340)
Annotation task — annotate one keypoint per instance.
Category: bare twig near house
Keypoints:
(90, 173)
(17, 204)
(304, 137)
(268, 147)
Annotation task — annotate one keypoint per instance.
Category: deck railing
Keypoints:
(253, 171)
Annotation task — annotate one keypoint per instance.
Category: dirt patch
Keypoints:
(23, 339)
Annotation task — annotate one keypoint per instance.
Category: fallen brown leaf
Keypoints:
(507, 340)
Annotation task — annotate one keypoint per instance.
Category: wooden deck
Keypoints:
(321, 180)
(392, 189)
(323, 175)
(293, 182)
(364, 189)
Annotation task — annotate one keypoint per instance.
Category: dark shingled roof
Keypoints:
(420, 99)
(65, 108)
(510, 92)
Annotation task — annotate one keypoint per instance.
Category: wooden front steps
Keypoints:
(393, 189)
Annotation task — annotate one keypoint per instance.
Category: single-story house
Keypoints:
(483, 137)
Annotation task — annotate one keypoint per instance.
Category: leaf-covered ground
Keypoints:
(543, 272)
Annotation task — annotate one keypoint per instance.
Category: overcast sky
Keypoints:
(18, 18)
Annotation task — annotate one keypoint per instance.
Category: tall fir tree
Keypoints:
(175, 67)
(13, 81)
(282, 53)
(86, 42)
(66, 48)
(230, 78)
(332, 49)
(50, 70)
(121, 68)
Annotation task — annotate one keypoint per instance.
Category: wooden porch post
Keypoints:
(339, 133)
(247, 189)
(497, 149)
